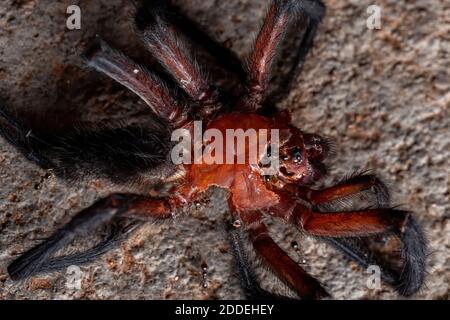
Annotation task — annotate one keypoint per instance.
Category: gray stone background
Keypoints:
(382, 95)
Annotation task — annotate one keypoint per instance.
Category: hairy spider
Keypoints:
(132, 151)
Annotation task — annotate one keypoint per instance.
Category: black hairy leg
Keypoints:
(409, 273)
(40, 260)
(280, 16)
(160, 37)
(160, 14)
(110, 211)
(404, 278)
(225, 57)
(310, 15)
(306, 19)
(145, 83)
(23, 139)
(249, 280)
(121, 153)
(278, 261)
(404, 275)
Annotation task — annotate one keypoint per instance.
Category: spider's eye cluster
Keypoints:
(296, 154)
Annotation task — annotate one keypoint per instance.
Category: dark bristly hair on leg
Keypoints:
(249, 281)
(39, 259)
(119, 232)
(148, 85)
(117, 152)
(104, 212)
(162, 40)
(414, 252)
(24, 140)
(410, 276)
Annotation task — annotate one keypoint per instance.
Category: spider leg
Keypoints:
(22, 139)
(120, 232)
(119, 153)
(160, 37)
(138, 79)
(279, 261)
(225, 57)
(352, 186)
(356, 249)
(222, 58)
(103, 212)
(350, 231)
(249, 281)
(358, 223)
(313, 11)
(368, 222)
(278, 18)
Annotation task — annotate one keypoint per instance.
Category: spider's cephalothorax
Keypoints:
(287, 194)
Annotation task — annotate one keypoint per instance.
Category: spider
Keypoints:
(127, 152)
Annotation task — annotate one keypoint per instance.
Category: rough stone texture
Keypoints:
(382, 95)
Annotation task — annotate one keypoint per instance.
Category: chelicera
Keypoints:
(287, 195)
